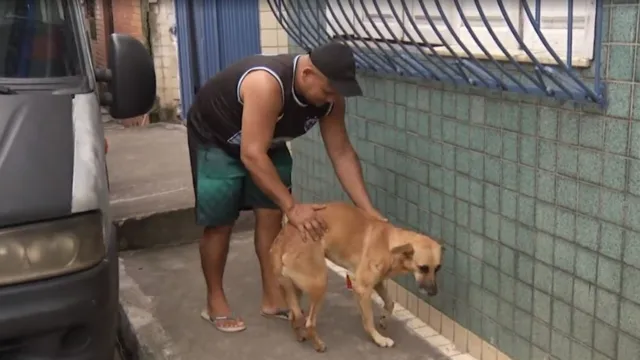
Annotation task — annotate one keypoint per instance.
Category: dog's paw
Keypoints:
(301, 337)
(384, 342)
(320, 346)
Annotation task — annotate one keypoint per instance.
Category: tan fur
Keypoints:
(370, 249)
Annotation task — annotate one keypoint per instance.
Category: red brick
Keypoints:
(127, 19)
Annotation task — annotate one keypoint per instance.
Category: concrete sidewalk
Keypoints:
(162, 287)
(152, 196)
(163, 291)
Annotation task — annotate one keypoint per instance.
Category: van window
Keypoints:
(37, 39)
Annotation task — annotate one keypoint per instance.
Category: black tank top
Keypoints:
(215, 117)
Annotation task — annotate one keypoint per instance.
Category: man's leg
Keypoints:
(268, 224)
(218, 183)
(214, 247)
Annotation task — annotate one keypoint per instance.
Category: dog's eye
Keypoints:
(437, 268)
(423, 269)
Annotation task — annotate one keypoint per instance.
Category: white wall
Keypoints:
(272, 37)
(165, 51)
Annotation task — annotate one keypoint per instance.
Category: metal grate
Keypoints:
(549, 48)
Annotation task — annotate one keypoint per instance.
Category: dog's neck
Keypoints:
(399, 238)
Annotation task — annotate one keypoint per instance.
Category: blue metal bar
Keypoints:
(395, 38)
(288, 28)
(459, 62)
(434, 53)
(356, 44)
(369, 36)
(484, 49)
(555, 56)
(569, 32)
(495, 38)
(386, 64)
(317, 39)
(538, 66)
(497, 80)
(380, 47)
(410, 54)
(597, 58)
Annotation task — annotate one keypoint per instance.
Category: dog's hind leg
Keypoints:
(316, 297)
(363, 294)
(387, 309)
(296, 317)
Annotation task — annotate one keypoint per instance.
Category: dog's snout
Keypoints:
(430, 287)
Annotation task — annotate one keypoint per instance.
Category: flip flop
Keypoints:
(282, 314)
(215, 321)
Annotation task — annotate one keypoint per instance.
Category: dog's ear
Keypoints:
(405, 249)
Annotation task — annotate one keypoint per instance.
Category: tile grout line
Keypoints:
(417, 326)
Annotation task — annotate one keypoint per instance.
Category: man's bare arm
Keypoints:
(343, 157)
(262, 98)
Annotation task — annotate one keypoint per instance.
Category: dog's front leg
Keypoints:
(387, 309)
(363, 297)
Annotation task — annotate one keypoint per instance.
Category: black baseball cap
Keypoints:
(335, 60)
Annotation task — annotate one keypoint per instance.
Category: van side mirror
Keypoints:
(131, 79)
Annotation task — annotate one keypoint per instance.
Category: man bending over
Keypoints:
(237, 127)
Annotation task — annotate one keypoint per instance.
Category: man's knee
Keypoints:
(220, 232)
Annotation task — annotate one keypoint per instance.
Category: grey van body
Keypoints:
(58, 248)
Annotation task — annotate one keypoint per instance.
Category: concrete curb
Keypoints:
(175, 227)
(143, 336)
(140, 336)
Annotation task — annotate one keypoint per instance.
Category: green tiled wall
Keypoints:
(538, 202)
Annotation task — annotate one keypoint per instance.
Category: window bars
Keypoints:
(549, 48)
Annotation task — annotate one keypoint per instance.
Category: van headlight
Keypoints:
(46, 249)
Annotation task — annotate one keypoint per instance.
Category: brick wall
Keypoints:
(99, 44)
(127, 18)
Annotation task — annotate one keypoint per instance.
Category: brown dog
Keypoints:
(370, 249)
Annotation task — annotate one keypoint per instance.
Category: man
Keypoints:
(237, 127)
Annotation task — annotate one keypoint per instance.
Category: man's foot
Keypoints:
(228, 324)
(275, 313)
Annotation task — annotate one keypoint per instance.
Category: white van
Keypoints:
(58, 251)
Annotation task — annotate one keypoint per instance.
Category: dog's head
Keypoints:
(421, 256)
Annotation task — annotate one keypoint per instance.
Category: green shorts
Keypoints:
(223, 186)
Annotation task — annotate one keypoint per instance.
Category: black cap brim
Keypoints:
(347, 88)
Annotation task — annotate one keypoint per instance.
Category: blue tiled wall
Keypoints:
(538, 202)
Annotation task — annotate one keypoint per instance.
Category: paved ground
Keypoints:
(164, 292)
(162, 289)
(150, 182)
(148, 169)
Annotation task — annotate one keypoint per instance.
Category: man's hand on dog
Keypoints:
(305, 218)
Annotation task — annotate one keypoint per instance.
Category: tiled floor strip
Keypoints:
(438, 330)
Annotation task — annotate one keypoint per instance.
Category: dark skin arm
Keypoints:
(262, 98)
(344, 158)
